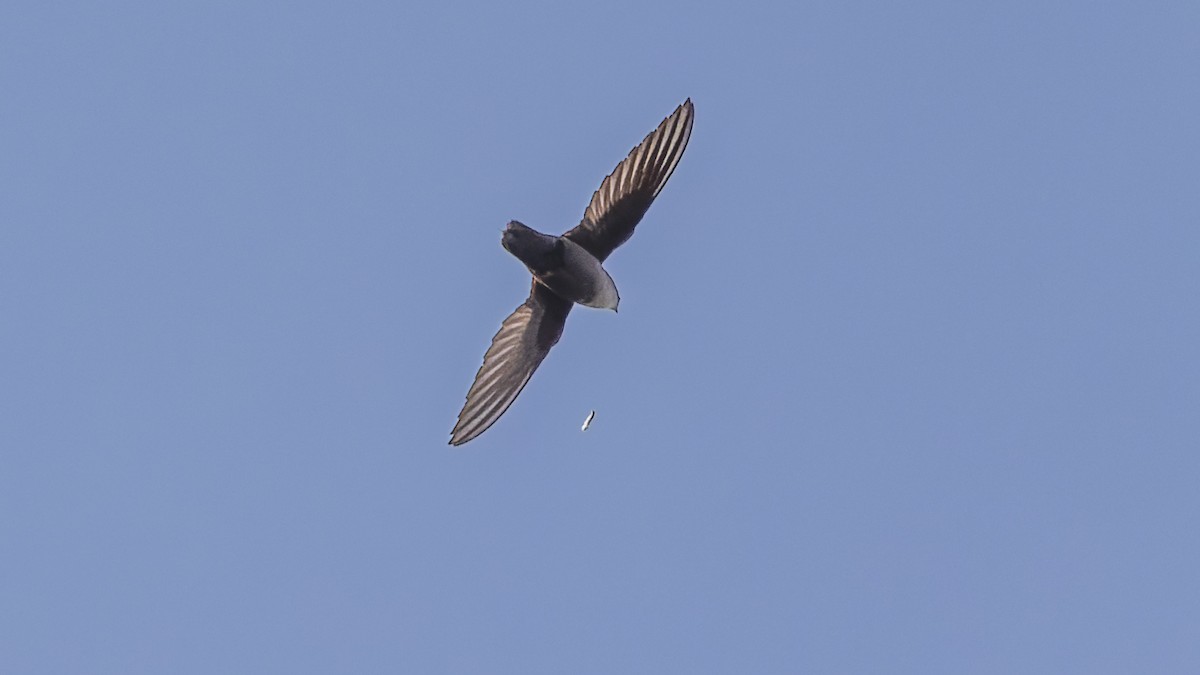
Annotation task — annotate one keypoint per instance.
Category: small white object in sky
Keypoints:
(588, 422)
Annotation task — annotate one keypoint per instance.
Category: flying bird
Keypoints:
(567, 270)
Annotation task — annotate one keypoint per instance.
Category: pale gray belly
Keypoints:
(582, 279)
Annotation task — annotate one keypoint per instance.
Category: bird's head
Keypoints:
(526, 243)
(514, 233)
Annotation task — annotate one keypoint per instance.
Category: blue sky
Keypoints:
(906, 376)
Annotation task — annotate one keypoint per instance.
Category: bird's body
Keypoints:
(562, 266)
(568, 270)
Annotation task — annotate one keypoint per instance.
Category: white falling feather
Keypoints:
(588, 422)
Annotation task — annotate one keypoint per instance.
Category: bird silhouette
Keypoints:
(567, 270)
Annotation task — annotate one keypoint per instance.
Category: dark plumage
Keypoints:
(567, 270)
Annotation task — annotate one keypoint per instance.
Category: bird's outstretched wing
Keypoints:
(525, 338)
(628, 191)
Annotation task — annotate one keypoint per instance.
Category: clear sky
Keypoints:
(906, 376)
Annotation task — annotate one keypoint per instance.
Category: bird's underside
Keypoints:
(527, 335)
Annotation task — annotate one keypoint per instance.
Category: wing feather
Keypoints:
(519, 347)
(627, 192)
